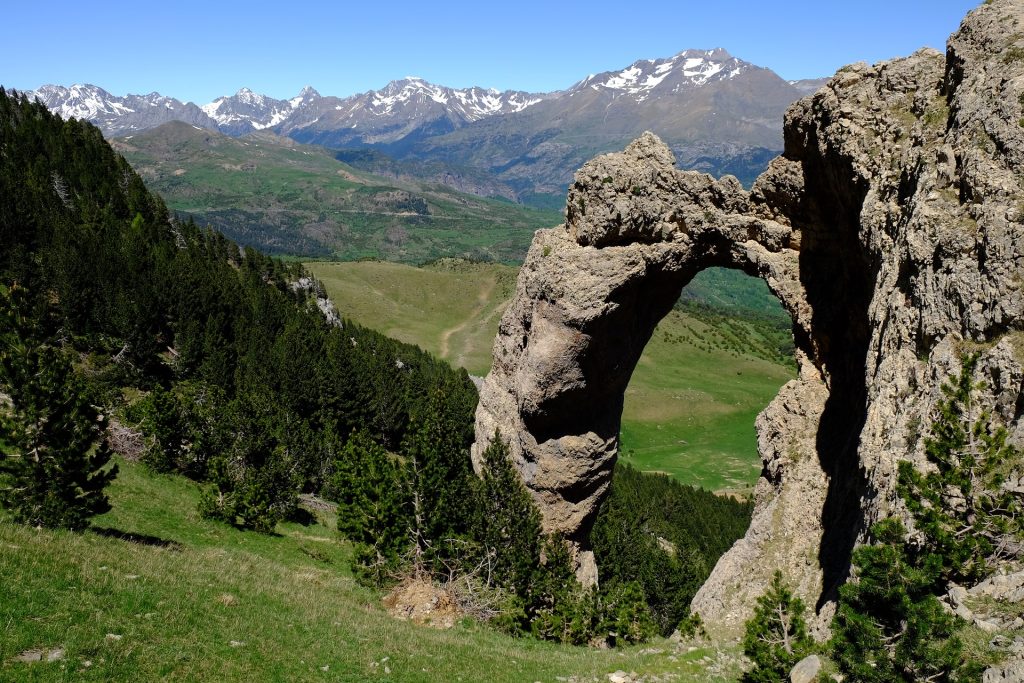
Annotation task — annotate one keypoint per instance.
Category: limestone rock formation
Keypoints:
(890, 229)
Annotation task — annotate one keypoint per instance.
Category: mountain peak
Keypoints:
(309, 91)
(716, 53)
(686, 69)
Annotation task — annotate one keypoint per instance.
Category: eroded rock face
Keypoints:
(890, 229)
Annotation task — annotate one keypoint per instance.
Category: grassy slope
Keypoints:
(288, 198)
(678, 418)
(451, 308)
(200, 601)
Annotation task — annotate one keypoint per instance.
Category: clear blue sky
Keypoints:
(200, 50)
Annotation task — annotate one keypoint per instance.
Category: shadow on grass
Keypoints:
(141, 539)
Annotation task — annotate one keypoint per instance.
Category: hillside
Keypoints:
(285, 198)
(128, 330)
(155, 593)
(678, 418)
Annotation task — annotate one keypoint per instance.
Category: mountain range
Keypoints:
(719, 113)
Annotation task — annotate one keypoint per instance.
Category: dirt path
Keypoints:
(483, 297)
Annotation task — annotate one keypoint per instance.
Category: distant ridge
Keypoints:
(719, 114)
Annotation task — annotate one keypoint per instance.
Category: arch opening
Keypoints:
(715, 361)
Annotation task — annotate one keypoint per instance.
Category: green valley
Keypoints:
(678, 418)
(285, 198)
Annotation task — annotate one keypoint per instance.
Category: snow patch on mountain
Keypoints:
(686, 69)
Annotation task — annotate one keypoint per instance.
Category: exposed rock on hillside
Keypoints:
(890, 229)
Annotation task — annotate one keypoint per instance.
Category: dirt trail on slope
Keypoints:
(482, 298)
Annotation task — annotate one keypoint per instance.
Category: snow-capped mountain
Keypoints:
(399, 109)
(687, 70)
(808, 86)
(410, 110)
(412, 95)
(403, 110)
(119, 115)
(246, 111)
(719, 114)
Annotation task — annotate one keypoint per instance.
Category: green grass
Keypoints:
(286, 198)
(691, 403)
(450, 308)
(193, 600)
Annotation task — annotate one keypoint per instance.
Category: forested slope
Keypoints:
(146, 301)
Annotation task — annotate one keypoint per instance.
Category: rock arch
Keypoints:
(889, 229)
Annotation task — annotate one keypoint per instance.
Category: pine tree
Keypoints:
(776, 636)
(889, 626)
(508, 523)
(372, 508)
(966, 517)
(51, 476)
(439, 476)
(167, 427)
(255, 480)
(625, 614)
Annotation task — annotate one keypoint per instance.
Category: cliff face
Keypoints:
(892, 230)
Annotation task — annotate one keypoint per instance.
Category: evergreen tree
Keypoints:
(372, 507)
(965, 516)
(255, 482)
(439, 476)
(168, 430)
(508, 525)
(889, 626)
(51, 475)
(664, 536)
(776, 636)
(557, 606)
(626, 616)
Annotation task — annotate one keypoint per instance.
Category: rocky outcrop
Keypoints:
(890, 229)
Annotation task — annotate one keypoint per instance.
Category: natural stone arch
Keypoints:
(590, 295)
(892, 231)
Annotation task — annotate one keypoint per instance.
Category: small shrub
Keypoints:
(776, 636)
(1013, 54)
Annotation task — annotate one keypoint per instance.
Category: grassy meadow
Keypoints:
(691, 403)
(153, 592)
(450, 308)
